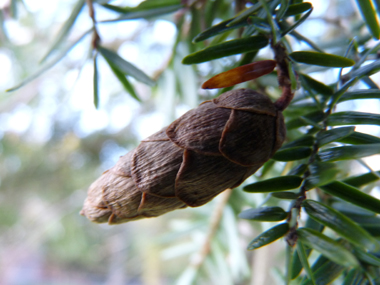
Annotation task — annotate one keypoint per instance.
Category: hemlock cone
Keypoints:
(207, 150)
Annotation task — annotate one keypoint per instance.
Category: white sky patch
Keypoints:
(164, 32)
(70, 78)
(82, 94)
(3, 3)
(18, 34)
(81, 50)
(365, 105)
(46, 10)
(6, 69)
(107, 32)
(91, 121)
(47, 87)
(181, 109)
(376, 192)
(19, 120)
(110, 153)
(148, 124)
(41, 128)
(313, 28)
(121, 116)
(127, 29)
(319, 7)
(372, 161)
(130, 52)
(35, 6)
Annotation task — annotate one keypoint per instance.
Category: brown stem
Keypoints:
(291, 237)
(214, 224)
(284, 81)
(95, 36)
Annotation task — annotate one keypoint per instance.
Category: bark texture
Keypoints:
(207, 150)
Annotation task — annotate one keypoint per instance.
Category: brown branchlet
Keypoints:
(207, 150)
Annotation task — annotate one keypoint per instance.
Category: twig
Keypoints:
(95, 35)
(284, 81)
(214, 224)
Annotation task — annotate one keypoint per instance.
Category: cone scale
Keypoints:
(209, 149)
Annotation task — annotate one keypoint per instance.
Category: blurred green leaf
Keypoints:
(369, 16)
(328, 247)
(66, 28)
(130, 14)
(274, 30)
(321, 173)
(306, 140)
(124, 81)
(315, 117)
(317, 86)
(286, 28)
(220, 28)
(289, 253)
(14, 9)
(298, 170)
(125, 67)
(226, 49)
(333, 135)
(153, 4)
(293, 153)
(363, 179)
(282, 10)
(336, 96)
(360, 138)
(354, 277)
(50, 64)
(274, 184)
(351, 210)
(340, 224)
(285, 195)
(326, 273)
(267, 167)
(195, 27)
(269, 236)
(293, 77)
(300, 37)
(352, 195)
(267, 214)
(348, 152)
(373, 229)
(117, 9)
(261, 25)
(360, 94)
(320, 262)
(245, 14)
(305, 264)
(353, 118)
(144, 5)
(366, 257)
(321, 59)
(369, 82)
(297, 266)
(296, 9)
(365, 70)
(96, 82)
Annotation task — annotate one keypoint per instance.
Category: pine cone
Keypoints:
(209, 149)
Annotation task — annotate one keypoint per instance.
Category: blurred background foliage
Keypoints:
(68, 120)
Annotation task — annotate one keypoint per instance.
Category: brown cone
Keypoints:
(207, 150)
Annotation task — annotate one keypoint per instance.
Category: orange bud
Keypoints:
(240, 74)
